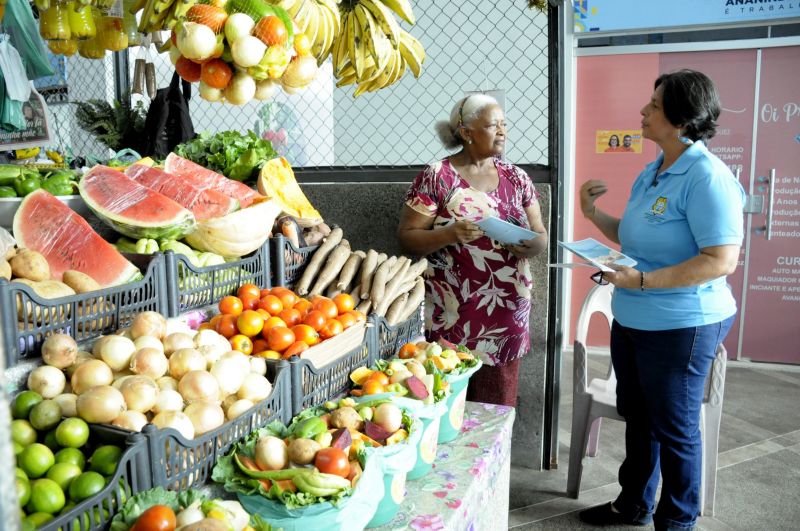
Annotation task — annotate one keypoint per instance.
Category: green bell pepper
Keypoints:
(24, 186)
(7, 191)
(9, 173)
(58, 185)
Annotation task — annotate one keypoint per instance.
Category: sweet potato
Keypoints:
(376, 432)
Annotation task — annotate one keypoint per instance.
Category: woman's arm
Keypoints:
(418, 237)
(608, 224)
(536, 245)
(711, 263)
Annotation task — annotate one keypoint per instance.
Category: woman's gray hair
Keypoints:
(464, 111)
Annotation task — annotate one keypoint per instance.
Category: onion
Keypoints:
(237, 408)
(209, 93)
(91, 374)
(124, 332)
(174, 54)
(47, 381)
(67, 387)
(177, 420)
(258, 365)
(242, 359)
(167, 382)
(229, 375)
(255, 388)
(389, 417)
(271, 453)
(300, 72)
(177, 341)
(229, 401)
(98, 344)
(140, 393)
(185, 360)
(191, 514)
(212, 354)
(116, 351)
(149, 324)
(130, 420)
(266, 88)
(238, 25)
(119, 380)
(199, 385)
(205, 416)
(211, 337)
(68, 403)
(148, 342)
(100, 405)
(196, 41)
(150, 362)
(248, 50)
(81, 357)
(242, 87)
(177, 324)
(168, 400)
(60, 351)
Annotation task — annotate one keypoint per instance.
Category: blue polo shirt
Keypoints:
(695, 203)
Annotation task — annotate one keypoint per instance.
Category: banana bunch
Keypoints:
(319, 20)
(374, 51)
(160, 15)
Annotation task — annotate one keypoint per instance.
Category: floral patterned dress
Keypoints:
(477, 294)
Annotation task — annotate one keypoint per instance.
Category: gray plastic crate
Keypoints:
(312, 386)
(84, 316)
(290, 262)
(387, 340)
(190, 287)
(179, 463)
(131, 477)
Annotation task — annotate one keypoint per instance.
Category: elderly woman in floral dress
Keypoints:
(478, 291)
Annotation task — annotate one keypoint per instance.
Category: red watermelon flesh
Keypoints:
(67, 241)
(200, 176)
(204, 203)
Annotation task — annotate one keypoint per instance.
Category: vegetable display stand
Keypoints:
(28, 318)
(290, 262)
(389, 339)
(454, 417)
(131, 477)
(190, 287)
(179, 463)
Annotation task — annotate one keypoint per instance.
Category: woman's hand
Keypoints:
(524, 249)
(590, 191)
(464, 231)
(624, 277)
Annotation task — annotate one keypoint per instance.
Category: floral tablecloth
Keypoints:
(468, 486)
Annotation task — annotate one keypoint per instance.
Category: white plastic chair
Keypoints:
(598, 399)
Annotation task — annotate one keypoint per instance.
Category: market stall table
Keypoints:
(468, 487)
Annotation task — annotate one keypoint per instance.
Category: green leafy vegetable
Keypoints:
(231, 153)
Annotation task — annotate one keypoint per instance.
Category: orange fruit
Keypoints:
(231, 305)
(407, 351)
(344, 302)
(280, 338)
(326, 306)
(249, 289)
(270, 354)
(241, 343)
(249, 301)
(347, 319)
(291, 316)
(306, 334)
(315, 319)
(332, 328)
(227, 326)
(250, 323)
(272, 304)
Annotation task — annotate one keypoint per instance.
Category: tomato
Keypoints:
(315, 319)
(326, 306)
(360, 317)
(295, 349)
(287, 297)
(264, 293)
(344, 302)
(271, 30)
(217, 74)
(280, 338)
(250, 323)
(407, 351)
(373, 387)
(306, 334)
(263, 313)
(227, 326)
(249, 301)
(270, 323)
(303, 306)
(157, 518)
(212, 16)
(291, 316)
(302, 44)
(332, 328)
(188, 69)
(332, 461)
(231, 305)
(242, 343)
(347, 319)
(272, 304)
(379, 376)
(260, 345)
(250, 289)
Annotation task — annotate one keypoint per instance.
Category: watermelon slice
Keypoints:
(45, 224)
(204, 203)
(203, 177)
(132, 209)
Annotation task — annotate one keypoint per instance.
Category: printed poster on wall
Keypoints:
(623, 15)
(618, 141)
(37, 126)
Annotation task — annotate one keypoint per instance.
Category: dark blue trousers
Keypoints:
(661, 378)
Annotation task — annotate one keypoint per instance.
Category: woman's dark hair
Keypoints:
(690, 102)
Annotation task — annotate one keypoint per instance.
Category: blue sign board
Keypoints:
(624, 15)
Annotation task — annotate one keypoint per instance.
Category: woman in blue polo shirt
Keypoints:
(683, 225)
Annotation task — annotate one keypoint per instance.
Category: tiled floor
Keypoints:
(758, 482)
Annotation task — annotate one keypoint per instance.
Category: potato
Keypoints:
(48, 289)
(5, 269)
(104, 321)
(31, 265)
(346, 417)
(303, 451)
(207, 524)
(80, 282)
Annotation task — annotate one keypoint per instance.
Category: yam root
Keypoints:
(368, 267)
(364, 306)
(390, 293)
(414, 300)
(349, 270)
(332, 268)
(396, 308)
(416, 269)
(317, 259)
(313, 237)
(379, 280)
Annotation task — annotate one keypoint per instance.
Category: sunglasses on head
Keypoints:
(598, 278)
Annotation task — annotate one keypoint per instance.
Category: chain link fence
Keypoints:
(472, 45)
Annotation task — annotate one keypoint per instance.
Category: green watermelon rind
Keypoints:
(180, 227)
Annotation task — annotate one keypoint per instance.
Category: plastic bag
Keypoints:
(7, 242)
(17, 85)
(168, 121)
(24, 32)
(11, 117)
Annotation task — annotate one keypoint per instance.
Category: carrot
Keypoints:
(396, 308)
(333, 240)
(390, 293)
(349, 270)
(356, 392)
(379, 280)
(267, 484)
(287, 484)
(248, 463)
(367, 270)
(291, 231)
(414, 299)
(332, 269)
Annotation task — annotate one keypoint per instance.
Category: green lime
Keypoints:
(71, 455)
(49, 440)
(45, 415)
(69, 505)
(20, 473)
(86, 485)
(17, 448)
(23, 491)
(36, 519)
(27, 525)
(72, 433)
(63, 474)
(22, 432)
(36, 460)
(105, 459)
(46, 496)
(23, 403)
